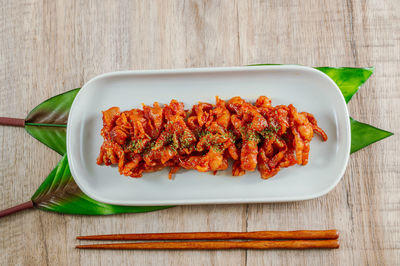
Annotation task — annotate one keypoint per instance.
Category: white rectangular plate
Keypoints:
(306, 88)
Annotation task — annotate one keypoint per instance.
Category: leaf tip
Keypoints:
(371, 69)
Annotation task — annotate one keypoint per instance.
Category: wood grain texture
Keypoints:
(48, 47)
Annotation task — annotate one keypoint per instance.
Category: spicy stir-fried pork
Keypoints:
(204, 139)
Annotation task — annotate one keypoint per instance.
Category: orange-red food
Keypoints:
(205, 138)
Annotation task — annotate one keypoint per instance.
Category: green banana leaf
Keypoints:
(348, 79)
(47, 122)
(59, 193)
(363, 135)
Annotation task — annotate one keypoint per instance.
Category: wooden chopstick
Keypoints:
(269, 235)
(286, 244)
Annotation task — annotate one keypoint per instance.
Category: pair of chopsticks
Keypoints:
(307, 239)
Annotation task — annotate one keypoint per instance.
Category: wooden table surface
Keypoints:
(49, 47)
